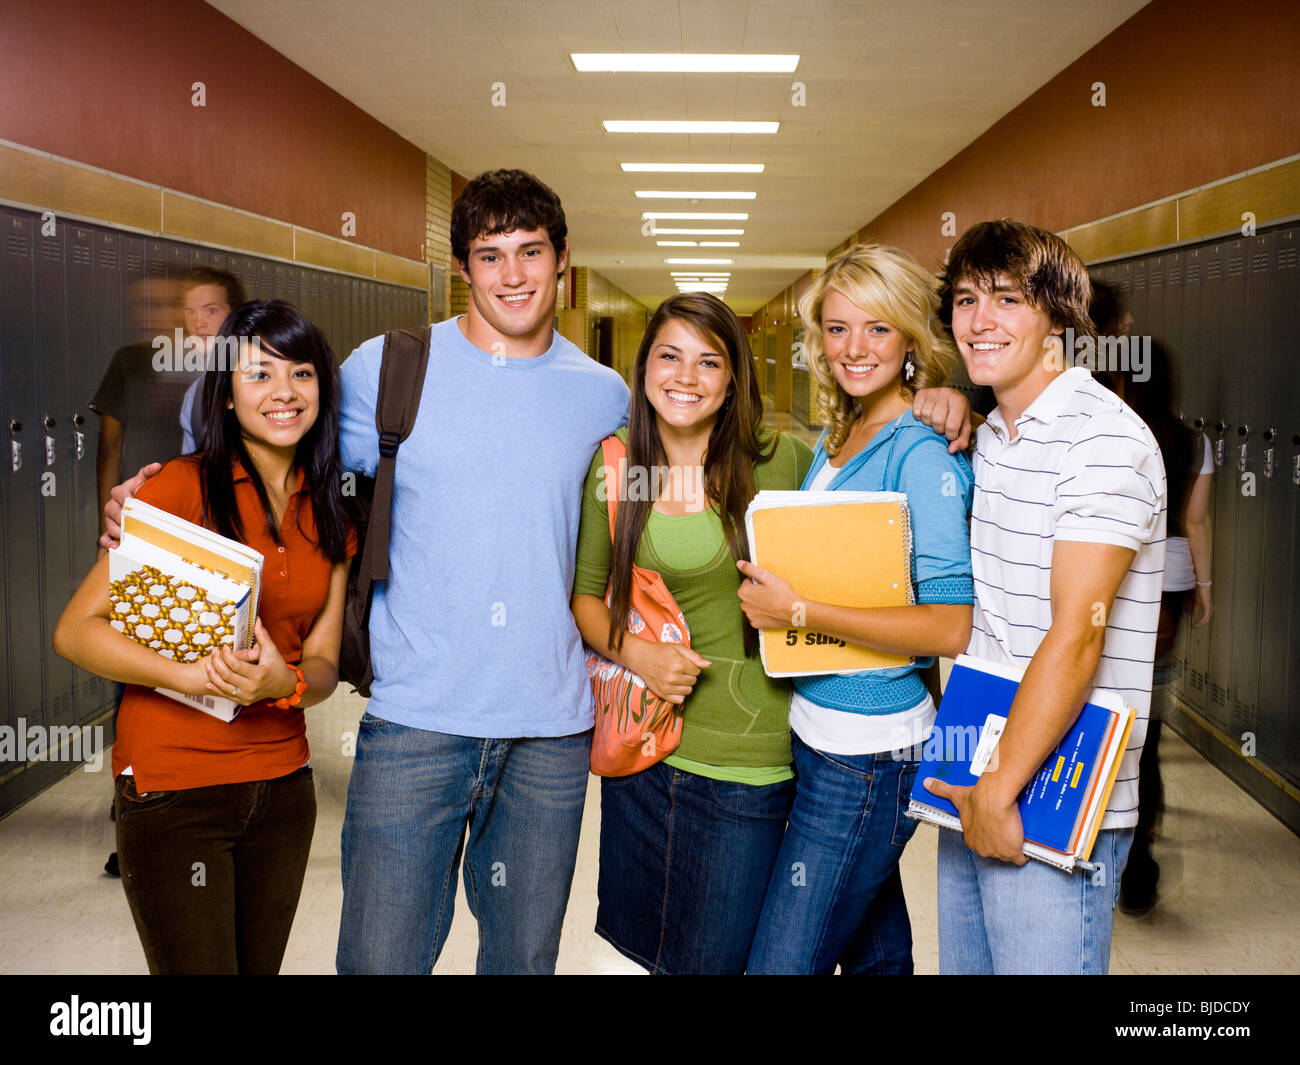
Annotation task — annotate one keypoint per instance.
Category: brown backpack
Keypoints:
(401, 379)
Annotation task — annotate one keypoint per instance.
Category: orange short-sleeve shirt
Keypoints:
(170, 746)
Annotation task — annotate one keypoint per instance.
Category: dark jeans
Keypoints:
(836, 895)
(684, 863)
(212, 875)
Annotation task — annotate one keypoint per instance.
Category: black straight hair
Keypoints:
(284, 332)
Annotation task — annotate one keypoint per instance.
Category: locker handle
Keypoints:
(15, 426)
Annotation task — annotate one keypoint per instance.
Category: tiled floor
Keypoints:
(1230, 886)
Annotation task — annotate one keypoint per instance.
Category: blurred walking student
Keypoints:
(687, 845)
(1067, 550)
(835, 896)
(1187, 585)
(215, 819)
(210, 295)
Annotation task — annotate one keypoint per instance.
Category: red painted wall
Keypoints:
(1196, 90)
(108, 83)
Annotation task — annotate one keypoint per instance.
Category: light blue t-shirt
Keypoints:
(472, 634)
(188, 443)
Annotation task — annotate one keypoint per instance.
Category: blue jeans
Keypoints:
(414, 797)
(836, 897)
(995, 917)
(684, 861)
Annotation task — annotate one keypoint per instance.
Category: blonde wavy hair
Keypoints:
(892, 287)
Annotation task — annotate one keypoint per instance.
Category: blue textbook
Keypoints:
(1062, 806)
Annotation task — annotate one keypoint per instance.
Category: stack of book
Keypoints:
(847, 548)
(183, 591)
(1062, 806)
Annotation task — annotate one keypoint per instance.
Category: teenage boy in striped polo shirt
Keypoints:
(1067, 551)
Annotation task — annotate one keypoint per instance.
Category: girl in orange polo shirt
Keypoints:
(214, 818)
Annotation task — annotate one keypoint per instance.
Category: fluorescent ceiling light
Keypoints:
(700, 262)
(673, 126)
(692, 168)
(683, 63)
(699, 232)
(676, 243)
(681, 194)
(698, 216)
(719, 244)
(699, 273)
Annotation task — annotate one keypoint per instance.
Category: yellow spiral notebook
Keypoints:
(846, 548)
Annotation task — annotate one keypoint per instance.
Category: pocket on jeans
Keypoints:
(133, 802)
(904, 826)
(368, 720)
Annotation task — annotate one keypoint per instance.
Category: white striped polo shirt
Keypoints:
(1083, 467)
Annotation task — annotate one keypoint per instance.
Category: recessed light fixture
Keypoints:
(719, 244)
(699, 232)
(683, 63)
(666, 194)
(692, 168)
(676, 243)
(674, 126)
(700, 262)
(697, 216)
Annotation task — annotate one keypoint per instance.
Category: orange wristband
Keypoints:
(298, 690)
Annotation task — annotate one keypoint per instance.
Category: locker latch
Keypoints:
(1295, 461)
(15, 447)
(1270, 435)
(1219, 427)
(1242, 457)
(79, 437)
(49, 441)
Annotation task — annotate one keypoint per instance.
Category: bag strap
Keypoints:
(401, 381)
(611, 452)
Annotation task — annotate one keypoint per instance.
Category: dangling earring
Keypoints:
(909, 366)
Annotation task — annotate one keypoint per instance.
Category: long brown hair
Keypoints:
(733, 449)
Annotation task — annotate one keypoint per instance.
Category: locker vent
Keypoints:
(1157, 276)
(1218, 694)
(133, 262)
(52, 251)
(1259, 262)
(1214, 269)
(18, 244)
(81, 255)
(1234, 266)
(1175, 274)
(1286, 257)
(107, 258)
(1193, 271)
(1197, 678)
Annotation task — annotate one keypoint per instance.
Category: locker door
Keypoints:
(55, 462)
(1227, 493)
(25, 649)
(285, 284)
(357, 310)
(1274, 291)
(344, 339)
(1138, 296)
(1171, 329)
(264, 283)
(79, 434)
(1247, 571)
(1193, 370)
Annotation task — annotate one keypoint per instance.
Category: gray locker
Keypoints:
(1273, 293)
(54, 499)
(19, 385)
(86, 342)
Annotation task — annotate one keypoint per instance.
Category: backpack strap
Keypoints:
(401, 381)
